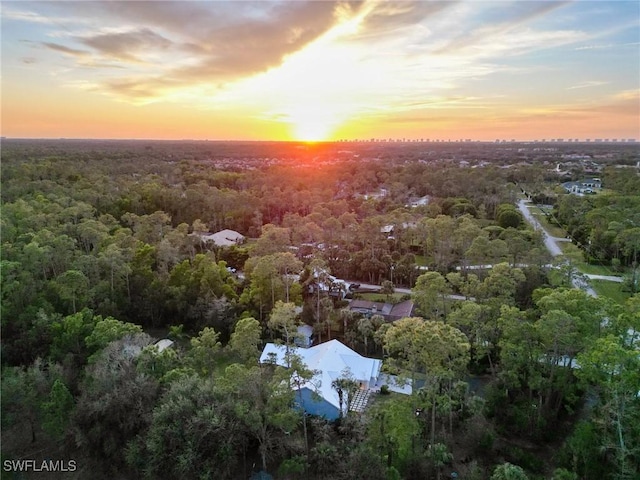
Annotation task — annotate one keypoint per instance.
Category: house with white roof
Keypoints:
(224, 238)
(163, 344)
(330, 359)
(589, 185)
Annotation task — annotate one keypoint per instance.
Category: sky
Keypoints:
(321, 70)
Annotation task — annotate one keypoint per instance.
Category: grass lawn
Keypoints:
(572, 252)
(379, 399)
(612, 290)
(596, 269)
(421, 260)
(377, 297)
(552, 229)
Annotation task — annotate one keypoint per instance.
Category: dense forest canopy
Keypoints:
(105, 250)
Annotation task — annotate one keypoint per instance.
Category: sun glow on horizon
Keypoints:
(309, 127)
(321, 71)
(313, 92)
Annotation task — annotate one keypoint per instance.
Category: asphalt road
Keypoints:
(549, 241)
(552, 245)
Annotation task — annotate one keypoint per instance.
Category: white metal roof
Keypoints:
(224, 238)
(163, 344)
(331, 359)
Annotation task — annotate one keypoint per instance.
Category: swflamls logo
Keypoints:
(30, 465)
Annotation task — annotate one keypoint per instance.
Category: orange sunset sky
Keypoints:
(321, 70)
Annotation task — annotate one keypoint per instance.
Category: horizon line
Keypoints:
(355, 140)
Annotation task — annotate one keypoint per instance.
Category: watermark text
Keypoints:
(47, 465)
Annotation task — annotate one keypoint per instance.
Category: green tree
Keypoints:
(205, 349)
(162, 365)
(430, 294)
(245, 340)
(287, 266)
(366, 329)
(69, 334)
(613, 365)
(263, 403)
(115, 402)
(284, 320)
(272, 240)
(113, 258)
(107, 330)
(319, 277)
(394, 430)
(630, 241)
(387, 289)
(440, 241)
(500, 286)
(57, 409)
(400, 342)
(266, 285)
(509, 218)
(24, 390)
(474, 320)
(193, 434)
(439, 456)
(72, 286)
(508, 471)
(346, 387)
(438, 349)
(564, 474)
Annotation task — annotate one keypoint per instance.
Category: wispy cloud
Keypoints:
(588, 84)
(383, 19)
(185, 43)
(29, 16)
(507, 20)
(67, 50)
(607, 46)
(126, 45)
(633, 95)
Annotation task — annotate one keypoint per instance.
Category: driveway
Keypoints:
(609, 278)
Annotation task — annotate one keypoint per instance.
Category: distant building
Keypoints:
(420, 201)
(586, 186)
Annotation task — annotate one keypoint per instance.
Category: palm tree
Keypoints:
(346, 386)
(365, 328)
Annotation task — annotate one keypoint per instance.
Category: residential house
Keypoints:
(389, 311)
(330, 360)
(224, 238)
(589, 185)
